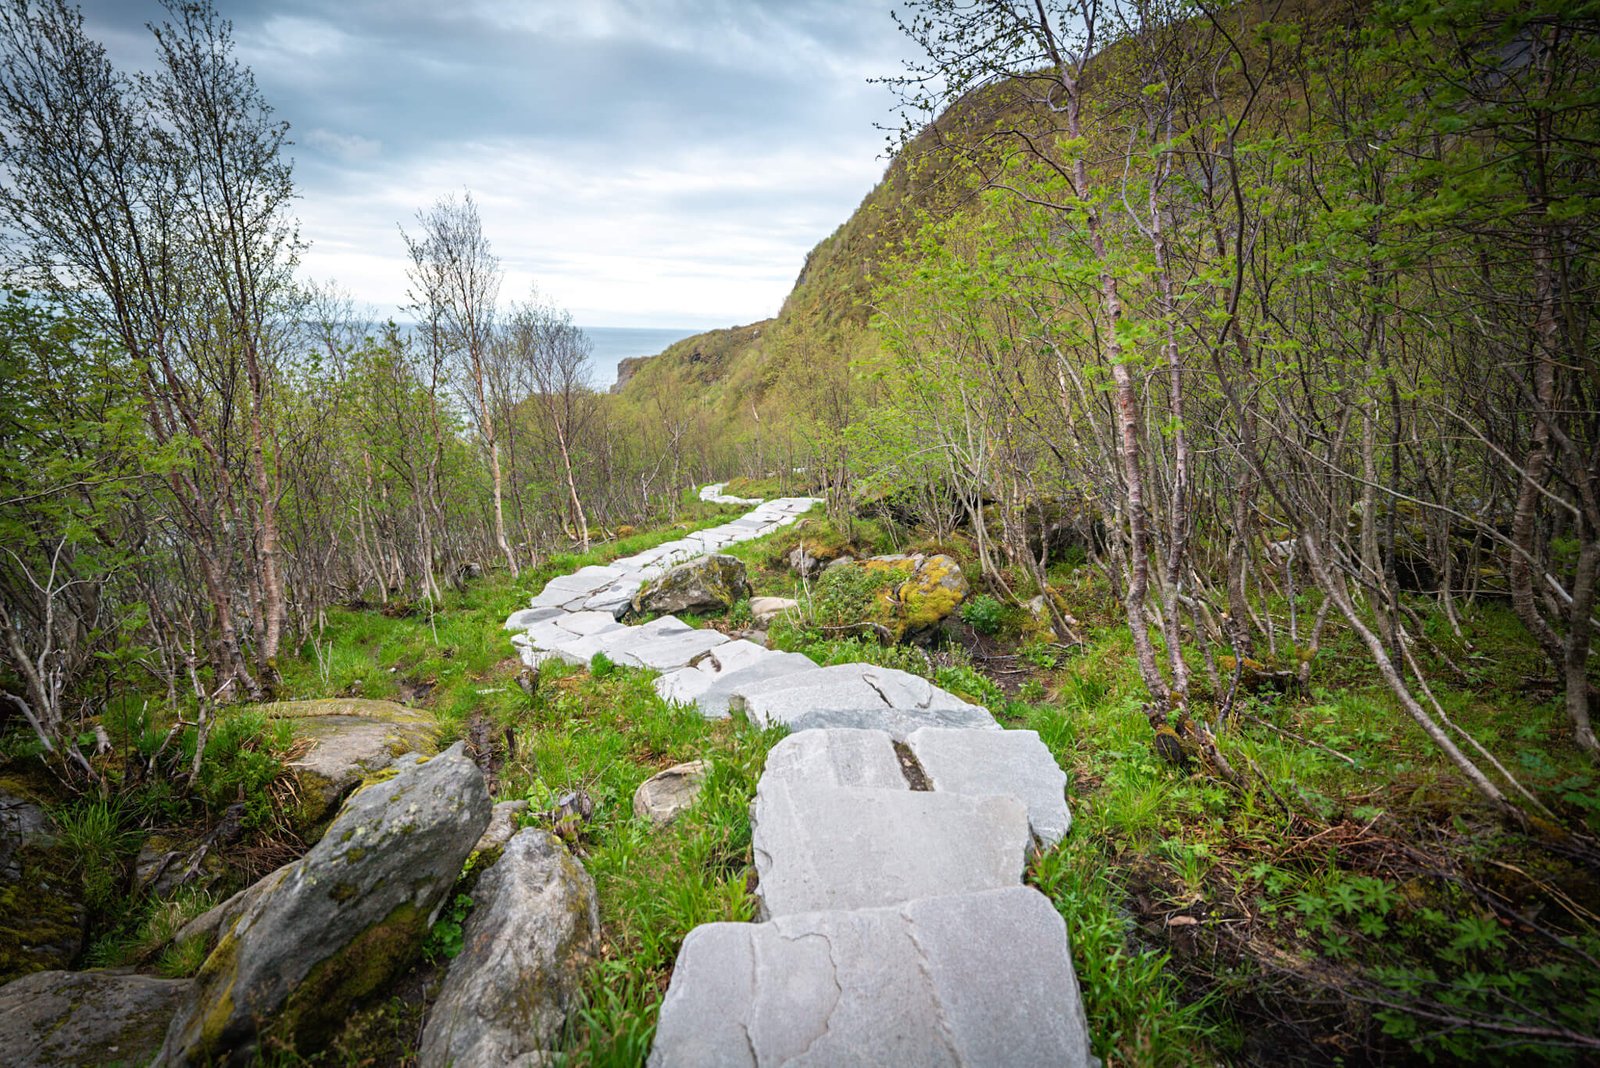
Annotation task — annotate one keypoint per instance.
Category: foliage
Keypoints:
(983, 614)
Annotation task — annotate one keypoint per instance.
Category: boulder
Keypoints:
(351, 738)
(533, 930)
(502, 825)
(666, 794)
(708, 584)
(907, 596)
(68, 1019)
(932, 591)
(41, 901)
(321, 934)
(763, 610)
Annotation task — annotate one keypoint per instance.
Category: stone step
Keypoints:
(708, 683)
(841, 757)
(973, 980)
(828, 847)
(898, 722)
(527, 617)
(661, 652)
(847, 687)
(1013, 762)
(570, 591)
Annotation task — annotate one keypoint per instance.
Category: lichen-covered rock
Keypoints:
(41, 902)
(338, 924)
(935, 589)
(802, 563)
(68, 1019)
(666, 794)
(907, 596)
(533, 931)
(708, 584)
(351, 738)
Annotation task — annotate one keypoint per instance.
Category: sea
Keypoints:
(613, 344)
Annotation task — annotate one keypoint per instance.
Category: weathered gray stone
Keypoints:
(586, 623)
(351, 739)
(665, 795)
(976, 979)
(664, 652)
(616, 599)
(802, 563)
(70, 1019)
(826, 847)
(841, 757)
(843, 686)
(897, 722)
(527, 617)
(709, 679)
(1011, 762)
(763, 610)
(336, 925)
(533, 930)
(502, 825)
(709, 583)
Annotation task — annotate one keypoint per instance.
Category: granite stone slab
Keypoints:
(973, 980)
(827, 847)
(898, 722)
(663, 652)
(838, 757)
(527, 617)
(1011, 762)
(710, 691)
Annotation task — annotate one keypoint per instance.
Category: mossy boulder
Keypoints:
(905, 597)
(710, 584)
(336, 926)
(42, 912)
(60, 1019)
(351, 739)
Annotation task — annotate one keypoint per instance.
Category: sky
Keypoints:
(639, 162)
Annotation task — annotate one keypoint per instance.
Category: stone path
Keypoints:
(891, 828)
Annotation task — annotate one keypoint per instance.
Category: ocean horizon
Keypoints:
(613, 344)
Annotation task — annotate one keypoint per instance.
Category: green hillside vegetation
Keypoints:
(1243, 356)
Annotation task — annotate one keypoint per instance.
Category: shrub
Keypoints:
(983, 614)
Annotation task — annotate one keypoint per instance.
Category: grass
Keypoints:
(1348, 888)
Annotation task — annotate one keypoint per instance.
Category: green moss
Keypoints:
(41, 916)
(322, 1001)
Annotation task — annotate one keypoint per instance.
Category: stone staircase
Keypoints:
(891, 828)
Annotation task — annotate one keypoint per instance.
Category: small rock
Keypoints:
(664, 795)
(763, 610)
(708, 584)
(803, 563)
(534, 929)
(502, 825)
(335, 926)
(61, 1019)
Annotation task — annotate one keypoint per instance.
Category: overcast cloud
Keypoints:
(643, 162)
